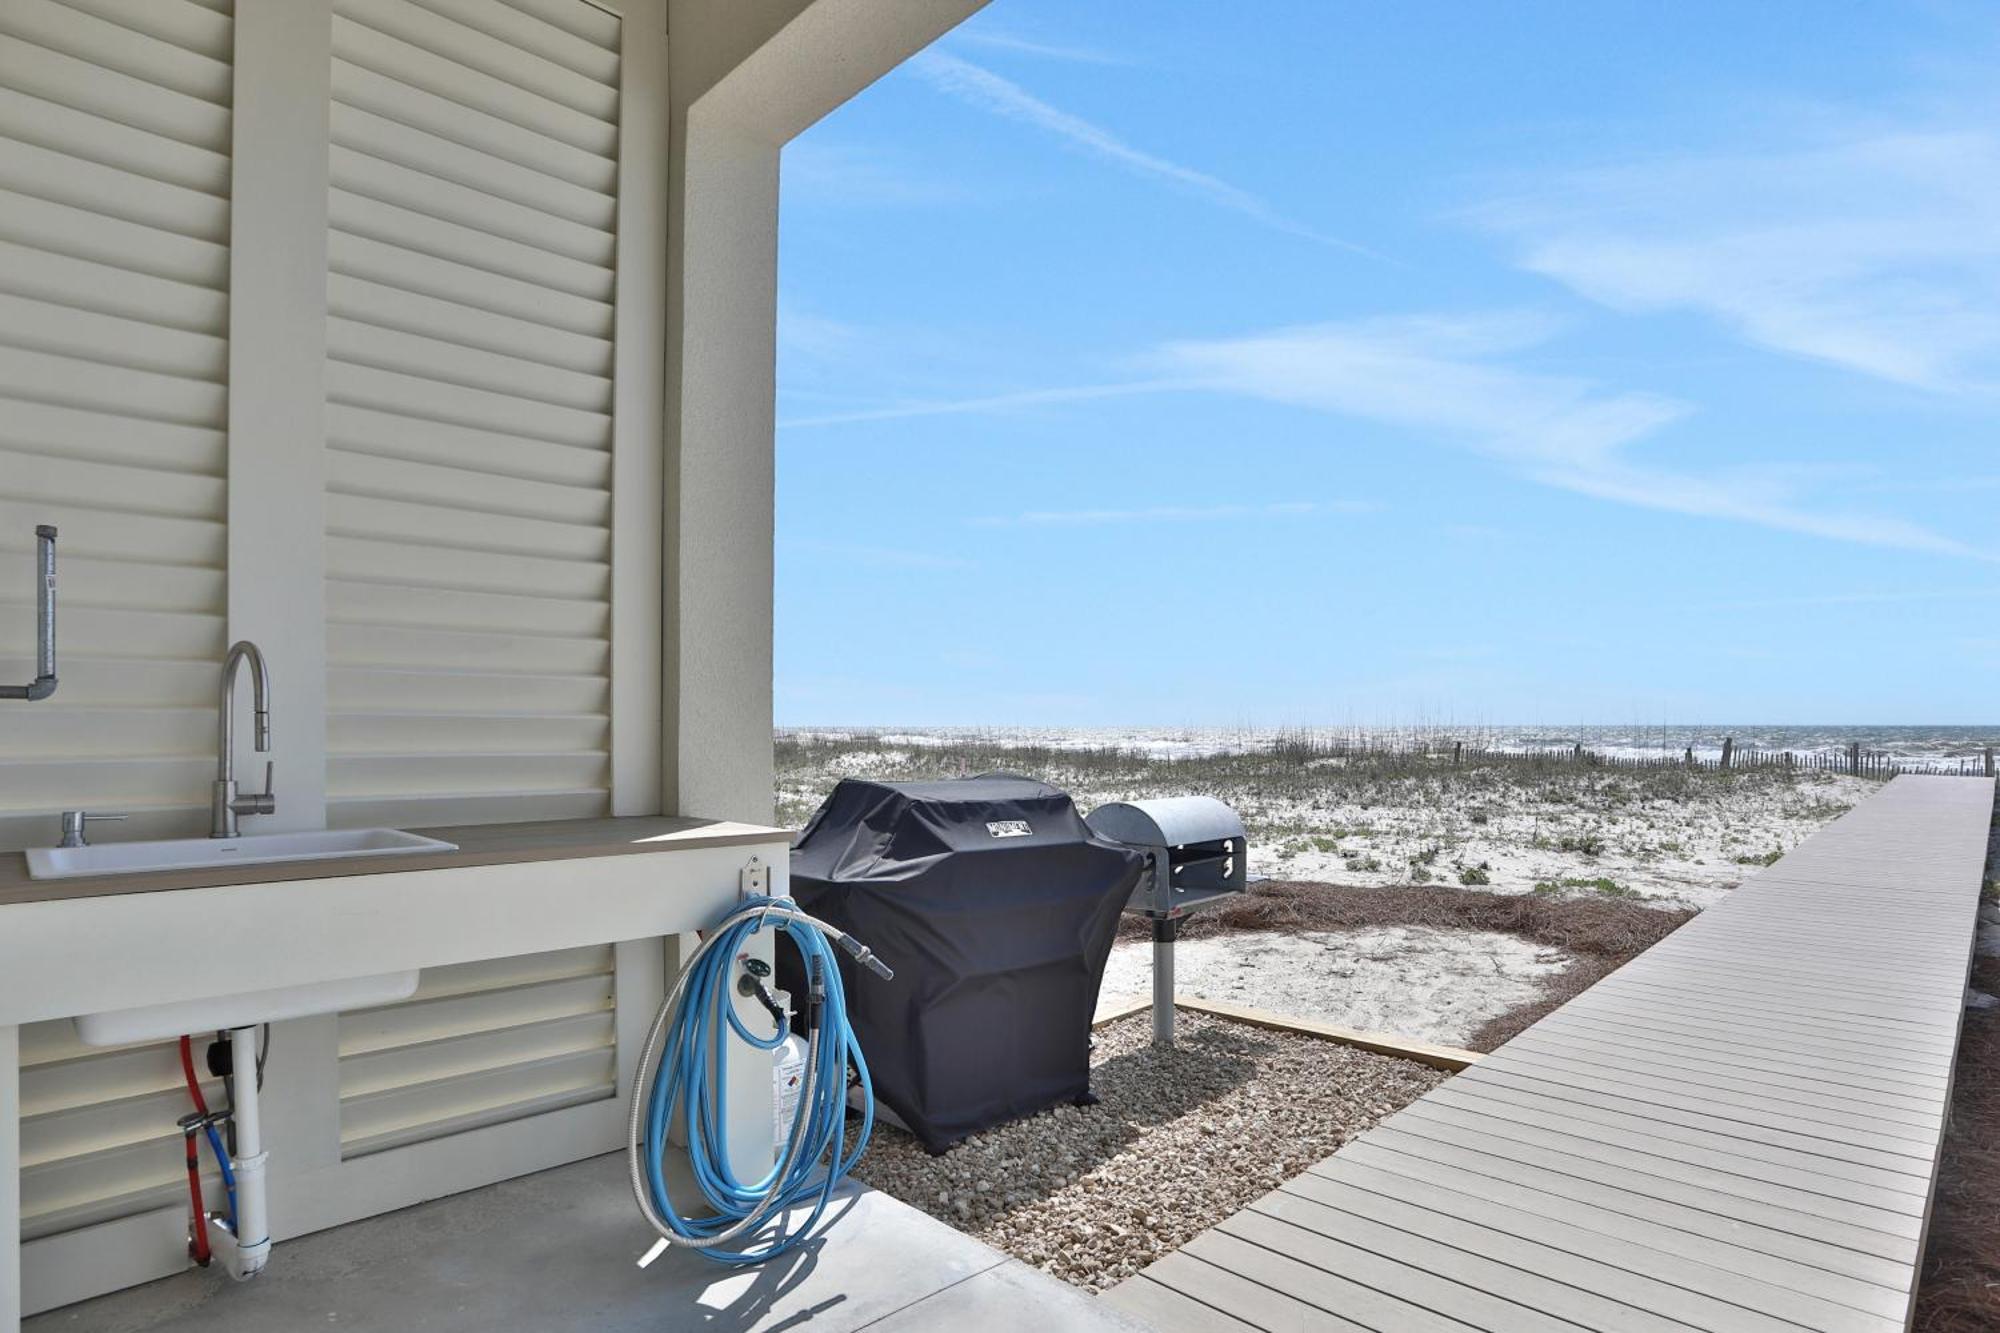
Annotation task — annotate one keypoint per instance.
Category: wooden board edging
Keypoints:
(1452, 1058)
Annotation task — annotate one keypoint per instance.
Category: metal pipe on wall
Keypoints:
(44, 683)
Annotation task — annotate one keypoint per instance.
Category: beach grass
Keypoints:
(1510, 823)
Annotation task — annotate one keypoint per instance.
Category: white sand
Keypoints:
(1414, 981)
(1574, 830)
(1678, 854)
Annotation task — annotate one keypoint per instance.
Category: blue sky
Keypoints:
(1327, 362)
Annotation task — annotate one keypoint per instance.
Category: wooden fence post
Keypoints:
(1728, 750)
(1989, 761)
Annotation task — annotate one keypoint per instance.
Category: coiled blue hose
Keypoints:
(690, 1040)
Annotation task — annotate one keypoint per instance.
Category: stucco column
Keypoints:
(721, 488)
(744, 78)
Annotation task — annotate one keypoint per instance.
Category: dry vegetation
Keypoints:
(1514, 825)
(1597, 863)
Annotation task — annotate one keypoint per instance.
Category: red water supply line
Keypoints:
(190, 1129)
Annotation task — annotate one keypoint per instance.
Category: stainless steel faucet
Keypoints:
(225, 805)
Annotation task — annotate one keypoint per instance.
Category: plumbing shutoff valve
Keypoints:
(755, 973)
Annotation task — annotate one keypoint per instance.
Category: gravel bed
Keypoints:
(1178, 1141)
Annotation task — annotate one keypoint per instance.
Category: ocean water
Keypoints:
(1905, 744)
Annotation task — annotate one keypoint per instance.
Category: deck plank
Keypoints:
(1736, 1132)
(1714, 1283)
(1164, 1307)
(1400, 1285)
(1740, 1249)
(1623, 1116)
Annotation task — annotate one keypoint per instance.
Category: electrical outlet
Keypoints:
(754, 880)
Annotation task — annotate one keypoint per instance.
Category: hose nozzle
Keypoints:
(865, 956)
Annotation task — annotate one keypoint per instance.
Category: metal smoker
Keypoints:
(1197, 856)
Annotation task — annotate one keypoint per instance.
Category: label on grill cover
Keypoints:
(1009, 828)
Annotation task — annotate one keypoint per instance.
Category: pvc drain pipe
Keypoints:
(682, 1071)
(246, 1259)
(242, 1174)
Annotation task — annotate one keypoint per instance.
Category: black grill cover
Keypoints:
(996, 906)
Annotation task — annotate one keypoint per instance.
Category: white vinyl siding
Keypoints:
(472, 210)
(114, 274)
(98, 1135)
(480, 1043)
(477, 180)
(473, 202)
(115, 133)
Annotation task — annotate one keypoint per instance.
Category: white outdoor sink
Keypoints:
(158, 1022)
(120, 858)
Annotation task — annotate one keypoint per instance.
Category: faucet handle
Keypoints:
(263, 802)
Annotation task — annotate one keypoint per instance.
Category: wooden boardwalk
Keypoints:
(1737, 1130)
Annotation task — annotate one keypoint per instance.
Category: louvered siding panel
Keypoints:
(473, 196)
(114, 319)
(479, 1044)
(473, 169)
(114, 235)
(98, 1136)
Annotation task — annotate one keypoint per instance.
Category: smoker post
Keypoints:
(1164, 933)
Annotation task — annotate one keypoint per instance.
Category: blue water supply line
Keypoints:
(683, 1073)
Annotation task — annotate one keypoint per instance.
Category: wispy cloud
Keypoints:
(986, 404)
(1455, 380)
(1876, 251)
(982, 88)
(878, 557)
(1177, 514)
(845, 176)
(1075, 55)
(806, 333)
(1446, 378)
(1888, 598)
(1441, 375)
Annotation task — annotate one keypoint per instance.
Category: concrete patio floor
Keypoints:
(556, 1250)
